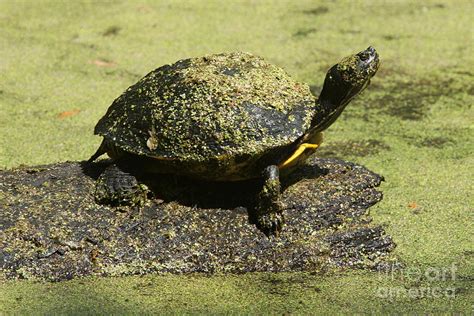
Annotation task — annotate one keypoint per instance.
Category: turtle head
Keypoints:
(350, 76)
(343, 82)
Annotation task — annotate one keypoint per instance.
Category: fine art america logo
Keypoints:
(430, 282)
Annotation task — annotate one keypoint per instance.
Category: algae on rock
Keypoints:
(51, 228)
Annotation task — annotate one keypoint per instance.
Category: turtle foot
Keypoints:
(268, 209)
(117, 187)
(271, 223)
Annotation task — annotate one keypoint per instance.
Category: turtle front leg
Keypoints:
(118, 187)
(268, 206)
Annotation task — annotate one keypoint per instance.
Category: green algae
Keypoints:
(419, 41)
(351, 148)
(302, 293)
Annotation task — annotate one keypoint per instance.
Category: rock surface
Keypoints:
(51, 228)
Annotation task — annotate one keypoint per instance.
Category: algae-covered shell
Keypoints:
(200, 109)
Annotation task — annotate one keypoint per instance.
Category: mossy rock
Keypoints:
(51, 227)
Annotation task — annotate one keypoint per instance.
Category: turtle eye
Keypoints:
(364, 57)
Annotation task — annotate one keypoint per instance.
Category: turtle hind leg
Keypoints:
(268, 206)
(118, 187)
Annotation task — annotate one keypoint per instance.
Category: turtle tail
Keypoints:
(102, 150)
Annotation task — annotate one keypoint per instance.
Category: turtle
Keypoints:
(222, 117)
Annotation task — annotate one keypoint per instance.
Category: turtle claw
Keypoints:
(271, 223)
(117, 187)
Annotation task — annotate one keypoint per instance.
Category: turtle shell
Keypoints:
(207, 108)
